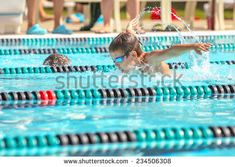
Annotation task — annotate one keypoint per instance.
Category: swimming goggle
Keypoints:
(119, 59)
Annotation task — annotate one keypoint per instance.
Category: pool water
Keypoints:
(115, 117)
(86, 116)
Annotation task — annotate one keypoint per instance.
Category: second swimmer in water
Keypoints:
(56, 60)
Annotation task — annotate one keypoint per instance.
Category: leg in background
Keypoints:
(58, 9)
(34, 28)
(32, 5)
(106, 10)
(59, 28)
(208, 11)
(79, 7)
(133, 8)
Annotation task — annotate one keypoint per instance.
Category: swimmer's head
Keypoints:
(124, 50)
(56, 60)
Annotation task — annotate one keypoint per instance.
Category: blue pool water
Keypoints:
(115, 117)
(84, 117)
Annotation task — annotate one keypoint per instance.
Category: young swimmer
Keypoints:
(56, 60)
(127, 54)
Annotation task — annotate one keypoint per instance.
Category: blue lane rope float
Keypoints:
(128, 101)
(76, 50)
(55, 95)
(97, 68)
(220, 39)
(160, 139)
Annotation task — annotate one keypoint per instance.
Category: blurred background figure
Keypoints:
(80, 18)
(34, 28)
(228, 4)
(133, 9)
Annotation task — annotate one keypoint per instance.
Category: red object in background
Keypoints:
(156, 14)
(197, 18)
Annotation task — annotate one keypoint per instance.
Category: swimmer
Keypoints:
(127, 54)
(56, 60)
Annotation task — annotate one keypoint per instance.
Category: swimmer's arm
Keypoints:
(178, 50)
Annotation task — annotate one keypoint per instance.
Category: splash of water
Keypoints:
(199, 63)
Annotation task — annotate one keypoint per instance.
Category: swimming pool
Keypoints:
(65, 111)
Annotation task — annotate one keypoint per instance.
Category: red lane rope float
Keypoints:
(43, 95)
(51, 97)
(44, 98)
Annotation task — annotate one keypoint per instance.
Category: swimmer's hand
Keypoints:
(201, 47)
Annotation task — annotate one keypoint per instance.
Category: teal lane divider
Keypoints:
(160, 139)
(97, 68)
(219, 39)
(93, 50)
(128, 101)
(68, 94)
(59, 69)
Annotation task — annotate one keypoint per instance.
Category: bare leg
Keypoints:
(32, 5)
(79, 8)
(58, 9)
(107, 11)
(58, 27)
(133, 8)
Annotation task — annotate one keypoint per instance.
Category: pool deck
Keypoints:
(200, 25)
